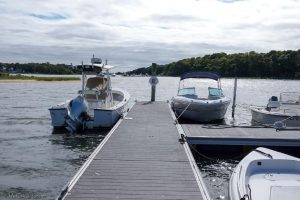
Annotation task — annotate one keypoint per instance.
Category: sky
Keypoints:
(135, 33)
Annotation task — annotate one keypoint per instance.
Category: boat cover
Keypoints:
(200, 75)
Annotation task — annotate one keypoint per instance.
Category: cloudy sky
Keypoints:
(135, 33)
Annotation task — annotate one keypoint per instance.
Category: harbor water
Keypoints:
(36, 164)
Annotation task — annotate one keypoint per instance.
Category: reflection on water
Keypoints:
(216, 174)
(216, 164)
(36, 164)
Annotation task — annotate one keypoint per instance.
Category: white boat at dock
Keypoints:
(188, 105)
(265, 174)
(98, 104)
(281, 113)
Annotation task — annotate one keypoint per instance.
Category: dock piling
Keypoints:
(234, 97)
(153, 81)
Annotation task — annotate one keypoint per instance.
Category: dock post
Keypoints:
(153, 90)
(153, 81)
(234, 97)
(82, 79)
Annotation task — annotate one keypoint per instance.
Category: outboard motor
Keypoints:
(273, 103)
(77, 115)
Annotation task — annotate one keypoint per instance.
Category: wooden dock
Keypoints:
(141, 158)
(226, 135)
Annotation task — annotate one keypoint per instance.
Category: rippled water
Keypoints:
(36, 164)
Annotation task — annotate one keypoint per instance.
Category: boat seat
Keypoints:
(97, 82)
(95, 94)
(97, 85)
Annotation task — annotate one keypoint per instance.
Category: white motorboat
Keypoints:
(265, 174)
(187, 104)
(98, 104)
(281, 113)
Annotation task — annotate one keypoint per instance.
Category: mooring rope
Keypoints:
(214, 159)
(184, 110)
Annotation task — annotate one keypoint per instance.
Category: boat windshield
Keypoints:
(216, 92)
(187, 91)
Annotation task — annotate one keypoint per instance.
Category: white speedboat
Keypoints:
(265, 174)
(281, 113)
(98, 104)
(187, 104)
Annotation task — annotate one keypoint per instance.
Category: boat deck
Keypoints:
(140, 159)
(225, 135)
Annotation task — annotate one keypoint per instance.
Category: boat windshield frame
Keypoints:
(200, 75)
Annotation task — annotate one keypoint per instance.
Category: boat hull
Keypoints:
(265, 174)
(200, 110)
(263, 117)
(107, 117)
(102, 117)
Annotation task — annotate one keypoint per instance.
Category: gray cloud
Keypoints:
(126, 57)
(49, 16)
(229, 1)
(135, 33)
(173, 18)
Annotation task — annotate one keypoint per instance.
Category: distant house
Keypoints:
(19, 70)
(11, 69)
(2, 69)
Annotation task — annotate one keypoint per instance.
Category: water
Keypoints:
(36, 164)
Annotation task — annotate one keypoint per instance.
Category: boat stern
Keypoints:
(58, 117)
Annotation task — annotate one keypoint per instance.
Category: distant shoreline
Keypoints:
(31, 80)
(6, 76)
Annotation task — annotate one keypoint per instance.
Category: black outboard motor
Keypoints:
(77, 114)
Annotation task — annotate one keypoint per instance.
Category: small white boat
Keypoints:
(187, 104)
(98, 104)
(265, 174)
(281, 113)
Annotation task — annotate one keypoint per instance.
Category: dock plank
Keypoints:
(141, 160)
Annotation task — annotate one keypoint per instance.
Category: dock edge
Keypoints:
(82, 169)
(194, 166)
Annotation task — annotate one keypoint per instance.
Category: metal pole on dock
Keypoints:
(153, 81)
(234, 97)
(82, 79)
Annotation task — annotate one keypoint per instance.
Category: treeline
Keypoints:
(39, 68)
(274, 64)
